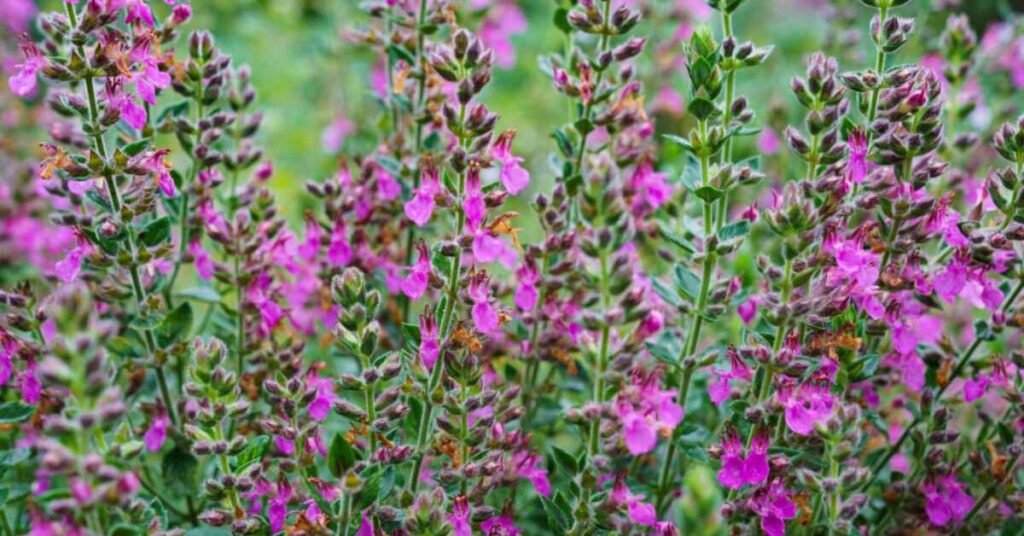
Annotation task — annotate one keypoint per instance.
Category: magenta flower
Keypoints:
(156, 434)
(334, 135)
(365, 526)
(415, 284)
(499, 526)
(459, 518)
(946, 500)
(321, 405)
(67, 268)
(645, 410)
(513, 176)
(158, 166)
(773, 505)
(856, 165)
(23, 83)
(473, 202)
(721, 387)
(430, 348)
(203, 262)
(129, 110)
(31, 387)
(526, 294)
(138, 11)
(747, 310)
(639, 512)
(277, 508)
(737, 470)
(421, 206)
(339, 251)
(651, 188)
(310, 247)
(806, 405)
(528, 466)
(768, 142)
(485, 317)
(488, 248)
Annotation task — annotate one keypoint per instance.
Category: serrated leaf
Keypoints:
(15, 411)
(565, 460)
(253, 452)
(155, 232)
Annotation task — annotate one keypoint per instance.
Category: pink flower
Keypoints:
(526, 294)
(528, 466)
(639, 512)
(473, 202)
(645, 410)
(856, 165)
(277, 509)
(768, 142)
(415, 284)
(23, 83)
(321, 405)
(485, 317)
(157, 165)
(499, 526)
(747, 310)
(488, 248)
(365, 527)
(31, 387)
(773, 505)
(945, 500)
(421, 206)
(334, 135)
(721, 388)
(203, 262)
(459, 518)
(737, 470)
(513, 176)
(974, 388)
(387, 187)
(156, 434)
(67, 268)
(652, 189)
(806, 405)
(430, 348)
(310, 248)
(502, 21)
(139, 11)
(339, 251)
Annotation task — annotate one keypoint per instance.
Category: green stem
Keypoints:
(730, 89)
(602, 357)
(115, 204)
(183, 214)
(880, 57)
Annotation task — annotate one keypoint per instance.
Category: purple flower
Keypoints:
(365, 526)
(773, 505)
(856, 165)
(513, 176)
(473, 202)
(203, 262)
(156, 434)
(459, 518)
(639, 512)
(946, 500)
(430, 348)
(526, 294)
(721, 388)
(415, 284)
(645, 410)
(737, 470)
(321, 405)
(339, 251)
(421, 206)
(747, 310)
(652, 190)
(499, 526)
(768, 142)
(806, 405)
(23, 83)
(485, 317)
(528, 466)
(334, 135)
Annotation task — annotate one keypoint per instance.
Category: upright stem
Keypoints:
(602, 357)
(880, 55)
(115, 203)
(692, 342)
(588, 108)
(730, 88)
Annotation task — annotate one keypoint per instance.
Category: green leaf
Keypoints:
(562, 20)
(679, 240)
(565, 460)
(16, 411)
(687, 283)
(401, 53)
(174, 110)
(701, 108)
(663, 353)
(341, 456)
(556, 518)
(208, 531)
(155, 232)
(564, 145)
(253, 452)
(137, 147)
(411, 333)
(667, 294)
(864, 368)
(176, 326)
(734, 230)
(179, 471)
(200, 294)
(124, 347)
(679, 140)
(708, 194)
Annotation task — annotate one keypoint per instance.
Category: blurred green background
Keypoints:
(307, 73)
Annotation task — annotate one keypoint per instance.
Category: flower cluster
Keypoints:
(832, 335)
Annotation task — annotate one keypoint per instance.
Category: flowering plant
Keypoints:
(686, 329)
